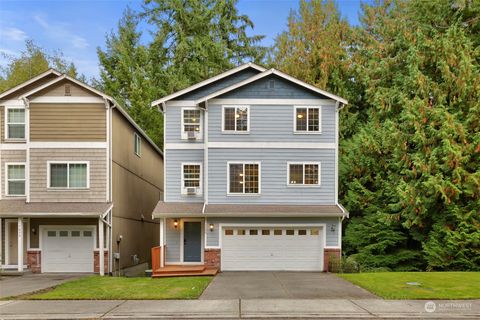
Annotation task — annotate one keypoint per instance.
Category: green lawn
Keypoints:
(433, 285)
(105, 288)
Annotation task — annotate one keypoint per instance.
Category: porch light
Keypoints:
(34, 231)
(332, 228)
(175, 223)
(211, 226)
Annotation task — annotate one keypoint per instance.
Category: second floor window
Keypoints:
(308, 120)
(191, 123)
(15, 179)
(69, 175)
(137, 144)
(15, 123)
(304, 173)
(235, 119)
(244, 178)
(192, 176)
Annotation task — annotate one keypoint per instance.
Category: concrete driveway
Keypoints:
(11, 286)
(282, 285)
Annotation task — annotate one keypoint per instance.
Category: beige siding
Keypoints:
(40, 82)
(9, 156)
(67, 122)
(137, 187)
(58, 90)
(2, 124)
(38, 175)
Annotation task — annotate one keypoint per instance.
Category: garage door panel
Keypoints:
(272, 252)
(67, 249)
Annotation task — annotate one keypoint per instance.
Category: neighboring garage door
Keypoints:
(268, 248)
(68, 249)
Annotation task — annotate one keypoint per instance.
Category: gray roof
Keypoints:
(19, 208)
(185, 209)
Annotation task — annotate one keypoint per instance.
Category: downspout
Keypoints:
(110, 185)
(205, 158)
(27, 142)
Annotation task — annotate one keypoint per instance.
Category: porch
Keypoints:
(161, 270)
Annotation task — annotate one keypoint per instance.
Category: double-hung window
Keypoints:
(15, 185)
(15, 128)
(191, 177)
(191, 123)
(236, 119)
(244, 178)
(306, 174)
(68, 175)
(308, 120)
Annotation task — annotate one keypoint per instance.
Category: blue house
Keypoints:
(251, 174)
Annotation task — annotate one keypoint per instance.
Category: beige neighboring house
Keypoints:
(78, 180)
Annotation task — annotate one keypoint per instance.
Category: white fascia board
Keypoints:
(267, 73)
(13, 146)
(26, 83)
(67, 145)
(50, 214)
(208, 81)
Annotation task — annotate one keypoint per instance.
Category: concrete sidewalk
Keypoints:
(234, 309)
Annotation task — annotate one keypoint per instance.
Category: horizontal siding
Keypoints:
(282, 89)
(38, 175)
(58, 90)
(172, 237)
(67, 122)
(331, 236)
(9, 156)
(273, 123)
(173, 162)
(218, 85)
(274, 187)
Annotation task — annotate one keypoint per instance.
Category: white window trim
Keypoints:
(6, 179)
(184, 133)
(68, 163)
(136, 138)
(235, 131)
(295, 131)
(237, 194)
(303, 185)
(200, 188)
(7, 123)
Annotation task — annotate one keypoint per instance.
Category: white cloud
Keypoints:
(60, 31)
(13, 34)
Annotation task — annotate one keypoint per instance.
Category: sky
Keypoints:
(78, 27)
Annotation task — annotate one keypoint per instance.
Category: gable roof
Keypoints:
(114, 103)
(208, 81)
(265, 74)
(32, 80)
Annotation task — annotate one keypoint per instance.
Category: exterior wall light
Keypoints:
(175, 223)
(332, 228)
(211, 226)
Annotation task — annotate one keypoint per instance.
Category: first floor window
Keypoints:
(235, 119)
(191, 176)
(304, 173)
(307, 119)
(244, 178)
(16, 123)
(69, 175)
(16, 179)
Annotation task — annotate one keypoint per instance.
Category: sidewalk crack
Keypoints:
(112, 308)
(368, 311)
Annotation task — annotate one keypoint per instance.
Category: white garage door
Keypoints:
(265, 248)
(68, 249)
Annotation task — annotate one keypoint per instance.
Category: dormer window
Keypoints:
(191, 124)
(15, 128)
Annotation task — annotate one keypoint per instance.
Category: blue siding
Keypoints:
(172, 237)
(282, 89)
(218, 85)
(274, 189)
(332, 237)
(173, 176)
(272, 123)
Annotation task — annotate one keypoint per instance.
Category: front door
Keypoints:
(192, 241)
(13, 243)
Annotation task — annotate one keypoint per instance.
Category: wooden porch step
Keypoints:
(203, 271)
(180, 269)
